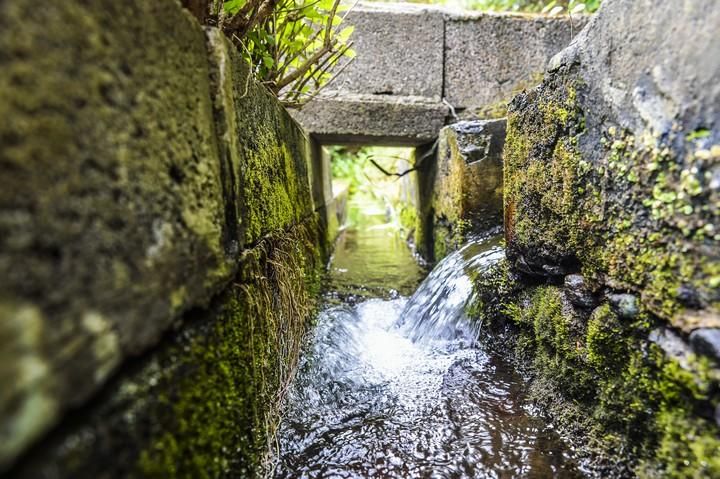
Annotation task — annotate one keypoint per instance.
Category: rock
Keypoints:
(577, 292)
(706, 341)
(399, 52)
(466, 195)
(673, 346)
(610, 162)
(626, 305)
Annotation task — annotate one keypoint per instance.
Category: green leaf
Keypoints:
(698, 134)
(549, 6)
(345, 33)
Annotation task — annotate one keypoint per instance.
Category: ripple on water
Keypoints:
(370, 401)
(401, 388)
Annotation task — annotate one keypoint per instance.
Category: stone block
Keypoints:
(467, 191)
(265, 152)
(489, 56)
(205, 403)
(111, 203)
(402, 121)
(399, 52)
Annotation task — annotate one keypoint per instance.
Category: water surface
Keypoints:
(393, 386)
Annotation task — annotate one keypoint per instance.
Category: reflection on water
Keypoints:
(400, 388)
(371, 257)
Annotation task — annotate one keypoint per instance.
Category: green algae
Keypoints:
(603, 382)
(221, 412)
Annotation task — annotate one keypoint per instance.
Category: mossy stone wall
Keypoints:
(613, 183)
(630, 394)
(206, 402)
(612, 203)
(139, 160)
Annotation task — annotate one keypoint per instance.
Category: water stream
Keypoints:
(398, 386)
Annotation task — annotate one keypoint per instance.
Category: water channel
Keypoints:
(394, 383)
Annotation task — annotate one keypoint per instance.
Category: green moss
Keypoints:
(606, 382)
(666, 252)
(641, 214)
(408, 217)
(542, 203)
(699, 454)
(607, 341)
(270, 202)
(221, 412)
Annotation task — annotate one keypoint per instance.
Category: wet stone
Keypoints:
(672, 345)
(625, 305)
(578, 293)
(706, 341)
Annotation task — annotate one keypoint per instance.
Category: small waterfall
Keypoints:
(437, 309)
(401, 388)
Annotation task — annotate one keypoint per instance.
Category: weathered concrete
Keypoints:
(467, 190)
(489, 58)
(372, 119)
(137, 163)
(400, 52)
(111, 204)
(412, 57)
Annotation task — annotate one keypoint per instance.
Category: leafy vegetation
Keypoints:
(381, 173)
(292, 45)
(551, 7)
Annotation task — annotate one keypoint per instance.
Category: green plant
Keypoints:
(550, 7)
(292, 45)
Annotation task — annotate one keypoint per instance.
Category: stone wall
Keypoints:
(418, 66)
(139, 164)
(612, 285)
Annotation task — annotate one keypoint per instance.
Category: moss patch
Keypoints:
(206, 403)
(619, 397)
(635, 212)
(225, 408)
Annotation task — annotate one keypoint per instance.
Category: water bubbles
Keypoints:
(400, 388)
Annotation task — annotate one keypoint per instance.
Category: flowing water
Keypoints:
(392, 386)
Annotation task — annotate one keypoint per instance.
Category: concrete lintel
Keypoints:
(373, 119)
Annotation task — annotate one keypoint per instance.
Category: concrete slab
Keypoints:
(367, 119)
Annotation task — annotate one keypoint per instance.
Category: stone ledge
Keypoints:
(373, 119)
